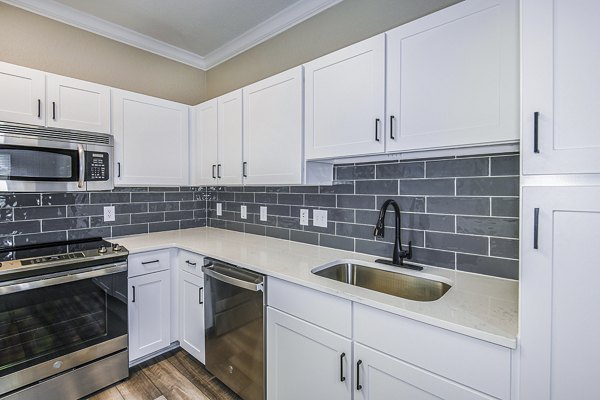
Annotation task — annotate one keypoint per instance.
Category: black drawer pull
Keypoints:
(188, 262)
(133, 300)
(54, 110)
(536, 223)
(213, 171)
(244, 169)
(536, 125)
(118, 170)
(218, 170)
(377, 129)
(200, 301)
(150, 262)
(39, 108)
(358, 385)
(342, 377)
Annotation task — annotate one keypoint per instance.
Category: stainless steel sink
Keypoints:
(405, 285)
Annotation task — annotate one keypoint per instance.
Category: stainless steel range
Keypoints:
(63, 319)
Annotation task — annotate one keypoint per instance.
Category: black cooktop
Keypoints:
(40, 259)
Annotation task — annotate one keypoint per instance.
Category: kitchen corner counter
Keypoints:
(478, 306)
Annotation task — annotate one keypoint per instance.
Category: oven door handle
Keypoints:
(81, 180)
(255, 287)
(71, 276)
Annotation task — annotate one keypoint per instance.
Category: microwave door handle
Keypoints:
(81, 152)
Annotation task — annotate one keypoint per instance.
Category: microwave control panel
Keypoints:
(96, 166)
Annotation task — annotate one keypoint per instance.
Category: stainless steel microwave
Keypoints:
(38, 159)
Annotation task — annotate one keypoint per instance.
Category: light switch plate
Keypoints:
(320, 218)
(303, 216)
(244, 211)
(219, 209)
(263, 213)
(109, 213)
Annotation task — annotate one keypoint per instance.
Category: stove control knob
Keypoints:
(102, 250)
(116, 247)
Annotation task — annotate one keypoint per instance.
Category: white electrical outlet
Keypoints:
(303, 216)
(320, 218)
(244, 211)
(219, 209)
(109, 213)
(263, 213)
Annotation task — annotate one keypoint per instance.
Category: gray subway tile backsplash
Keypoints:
(460, 213)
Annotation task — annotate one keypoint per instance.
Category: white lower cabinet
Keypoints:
(149, 313)
(191, 314)
(559, 319)
(305, 361)
(381, 377)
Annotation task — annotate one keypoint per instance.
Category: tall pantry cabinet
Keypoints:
(559, 318)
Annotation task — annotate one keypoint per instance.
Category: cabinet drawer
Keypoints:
(151, 261)
(190, 262)
(472, 362)
(327, 311)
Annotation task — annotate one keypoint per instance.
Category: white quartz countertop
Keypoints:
(478, 306)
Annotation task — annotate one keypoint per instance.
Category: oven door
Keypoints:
(55, 323)
(31, 164)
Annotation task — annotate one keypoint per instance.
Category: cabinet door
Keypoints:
(229, 169)
(191, 314)
(561, 82)
(203, 156)
(344, 106)
(151, 140)
(149, 313)
(381, 377)
(273, 130)
(23, 95)
(453, 77)
(559, 318)
(305, 361)
(79, 105)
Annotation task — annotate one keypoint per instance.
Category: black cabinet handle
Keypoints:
(133, 300)
(536, 125)
(244, 169)
(536, 223)
(200, 301)
(54, 110)
(190, 263)
(219, 171)
(358, 385)
(118, 170)
(342, 377)
(213, 171)
(392, 118)
(39, 108)
(150, 262)
(377, 129)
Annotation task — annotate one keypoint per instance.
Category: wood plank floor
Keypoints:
(172, 376)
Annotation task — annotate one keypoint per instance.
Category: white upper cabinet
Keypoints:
(151, 140)
(561, 86)
(78, 105)
(229, 167)
(273, 130)
(216, 156)
(344, 104)
(204, 144)
(453, 77)
(22, 95)
(559, 318)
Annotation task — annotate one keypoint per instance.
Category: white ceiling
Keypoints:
(201, 33)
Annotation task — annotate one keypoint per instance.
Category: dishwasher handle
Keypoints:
(208, 270)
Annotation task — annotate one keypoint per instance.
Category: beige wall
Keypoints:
(343, 24)
(33, 41)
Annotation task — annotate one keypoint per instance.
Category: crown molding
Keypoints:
(88, 22)
(281, 21)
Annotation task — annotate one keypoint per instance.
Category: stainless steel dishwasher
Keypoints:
(234, 305)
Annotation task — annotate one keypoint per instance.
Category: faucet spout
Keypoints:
(399, 253)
